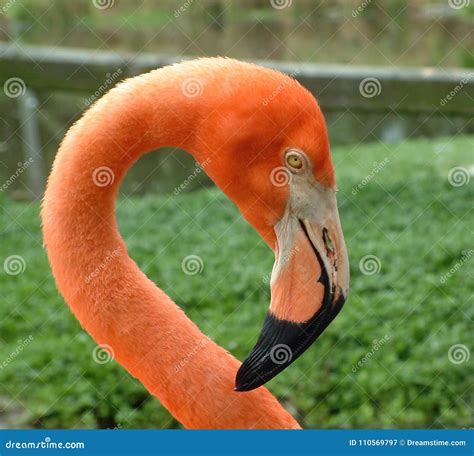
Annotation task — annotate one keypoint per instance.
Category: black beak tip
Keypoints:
(241, 388)
(271, 354)
(246, 379)
(280, 343)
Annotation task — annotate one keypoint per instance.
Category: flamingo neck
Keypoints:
(114, 301)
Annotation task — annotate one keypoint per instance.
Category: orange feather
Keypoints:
(229, 126)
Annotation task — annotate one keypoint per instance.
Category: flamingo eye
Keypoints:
(294, 161)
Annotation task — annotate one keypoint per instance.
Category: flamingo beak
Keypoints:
(309, 286)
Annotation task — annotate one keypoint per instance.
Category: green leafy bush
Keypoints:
(407, 215)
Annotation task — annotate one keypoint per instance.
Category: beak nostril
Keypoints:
(327, 241)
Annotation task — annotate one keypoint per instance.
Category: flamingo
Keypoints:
(261, 137)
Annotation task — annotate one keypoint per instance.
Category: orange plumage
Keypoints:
(241, 139)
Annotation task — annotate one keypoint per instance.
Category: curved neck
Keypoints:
(114, 301)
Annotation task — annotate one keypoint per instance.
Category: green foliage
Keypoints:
(407, 215)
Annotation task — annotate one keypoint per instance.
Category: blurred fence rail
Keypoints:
(360, 103)
(383, 89)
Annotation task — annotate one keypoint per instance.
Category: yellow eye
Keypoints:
(294, 161)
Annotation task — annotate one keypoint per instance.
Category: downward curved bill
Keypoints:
(309, 286)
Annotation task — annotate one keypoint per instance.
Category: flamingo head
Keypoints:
(270, 155)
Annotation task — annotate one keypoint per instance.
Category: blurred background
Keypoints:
(395, 82)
